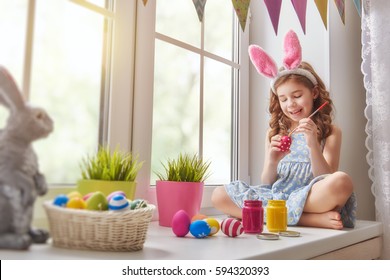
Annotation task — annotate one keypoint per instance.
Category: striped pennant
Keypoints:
(199, 6)
(341, 7)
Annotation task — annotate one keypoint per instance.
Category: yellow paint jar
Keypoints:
(276, 215)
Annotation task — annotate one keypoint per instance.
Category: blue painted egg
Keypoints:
(61, 200)
(118, 202)
(200, 229)
(111, 195)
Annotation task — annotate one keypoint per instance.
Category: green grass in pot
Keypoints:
(110, 166)
(185, 168)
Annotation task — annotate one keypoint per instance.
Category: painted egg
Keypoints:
(74, 194)
(200, 229)
(115, 193)
(61, 200)
(138, 203)
(285, 143)
(198, 217)
(88, 195)
(118, 203)
(214, 225)
(97, 201)
(232, 227)
(76, 203)
(181, 223)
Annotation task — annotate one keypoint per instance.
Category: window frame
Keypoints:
(141, 141)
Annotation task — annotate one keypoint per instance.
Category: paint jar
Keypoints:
(252, 216)
(276, 215)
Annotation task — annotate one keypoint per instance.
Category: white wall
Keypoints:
(335, 54)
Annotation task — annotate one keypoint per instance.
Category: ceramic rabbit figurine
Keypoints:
(20, 180)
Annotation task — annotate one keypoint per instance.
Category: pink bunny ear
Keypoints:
(264, 64)
(292, 50)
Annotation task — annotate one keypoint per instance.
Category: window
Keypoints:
(124, 73)
(196, 73)
(55, 51)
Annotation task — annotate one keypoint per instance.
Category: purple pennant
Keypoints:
(273, 7)
(300, 9)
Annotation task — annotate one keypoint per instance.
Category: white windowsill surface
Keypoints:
(162, 244)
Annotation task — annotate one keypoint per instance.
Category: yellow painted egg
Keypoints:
(74, 194)
(76, 203)
(214, 225)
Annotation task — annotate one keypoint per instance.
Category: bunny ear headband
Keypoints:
(266, 66)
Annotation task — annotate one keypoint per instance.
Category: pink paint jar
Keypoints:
(252, 216)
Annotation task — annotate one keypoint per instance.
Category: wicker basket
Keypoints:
(97, 230)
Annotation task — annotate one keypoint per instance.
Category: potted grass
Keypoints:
(180, 187)
(108, 171)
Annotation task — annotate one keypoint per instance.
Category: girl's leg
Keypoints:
(324, 201)
(222, 202)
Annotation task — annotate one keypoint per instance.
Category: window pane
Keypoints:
(66, 77)
(13, 20)
(175, 104)
(178, 19)
(217, 120)
(218, 22)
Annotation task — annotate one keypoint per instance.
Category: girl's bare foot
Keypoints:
(331, 219)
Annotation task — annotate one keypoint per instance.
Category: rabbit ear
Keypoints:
(10, 95)
(264, 64)
(292, 50)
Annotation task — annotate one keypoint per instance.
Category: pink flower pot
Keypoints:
(175, 196)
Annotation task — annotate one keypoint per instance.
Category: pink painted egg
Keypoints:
(285, 143)
(181, 223)
(88, 195)
(232, 227)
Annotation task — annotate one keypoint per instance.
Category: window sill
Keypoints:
(314, 243)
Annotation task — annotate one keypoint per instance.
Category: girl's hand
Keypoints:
(309, 128)
(275, 153)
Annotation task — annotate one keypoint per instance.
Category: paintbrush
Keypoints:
(312, 114)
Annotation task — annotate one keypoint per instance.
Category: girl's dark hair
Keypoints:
(279, 123)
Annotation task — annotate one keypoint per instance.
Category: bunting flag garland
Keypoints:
(341, 7)
(199, 6)
(358, 5)
(300, 9)
(241, 7)
(273, 7)
(322, 6)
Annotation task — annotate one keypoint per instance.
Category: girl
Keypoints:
(306, 175)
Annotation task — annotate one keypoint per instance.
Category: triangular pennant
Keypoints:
(241, 7)
(273, 7)
(358, 5)
(300, 9)
(341, 7)
(145, 1)
(322, 6)
(199, 6)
